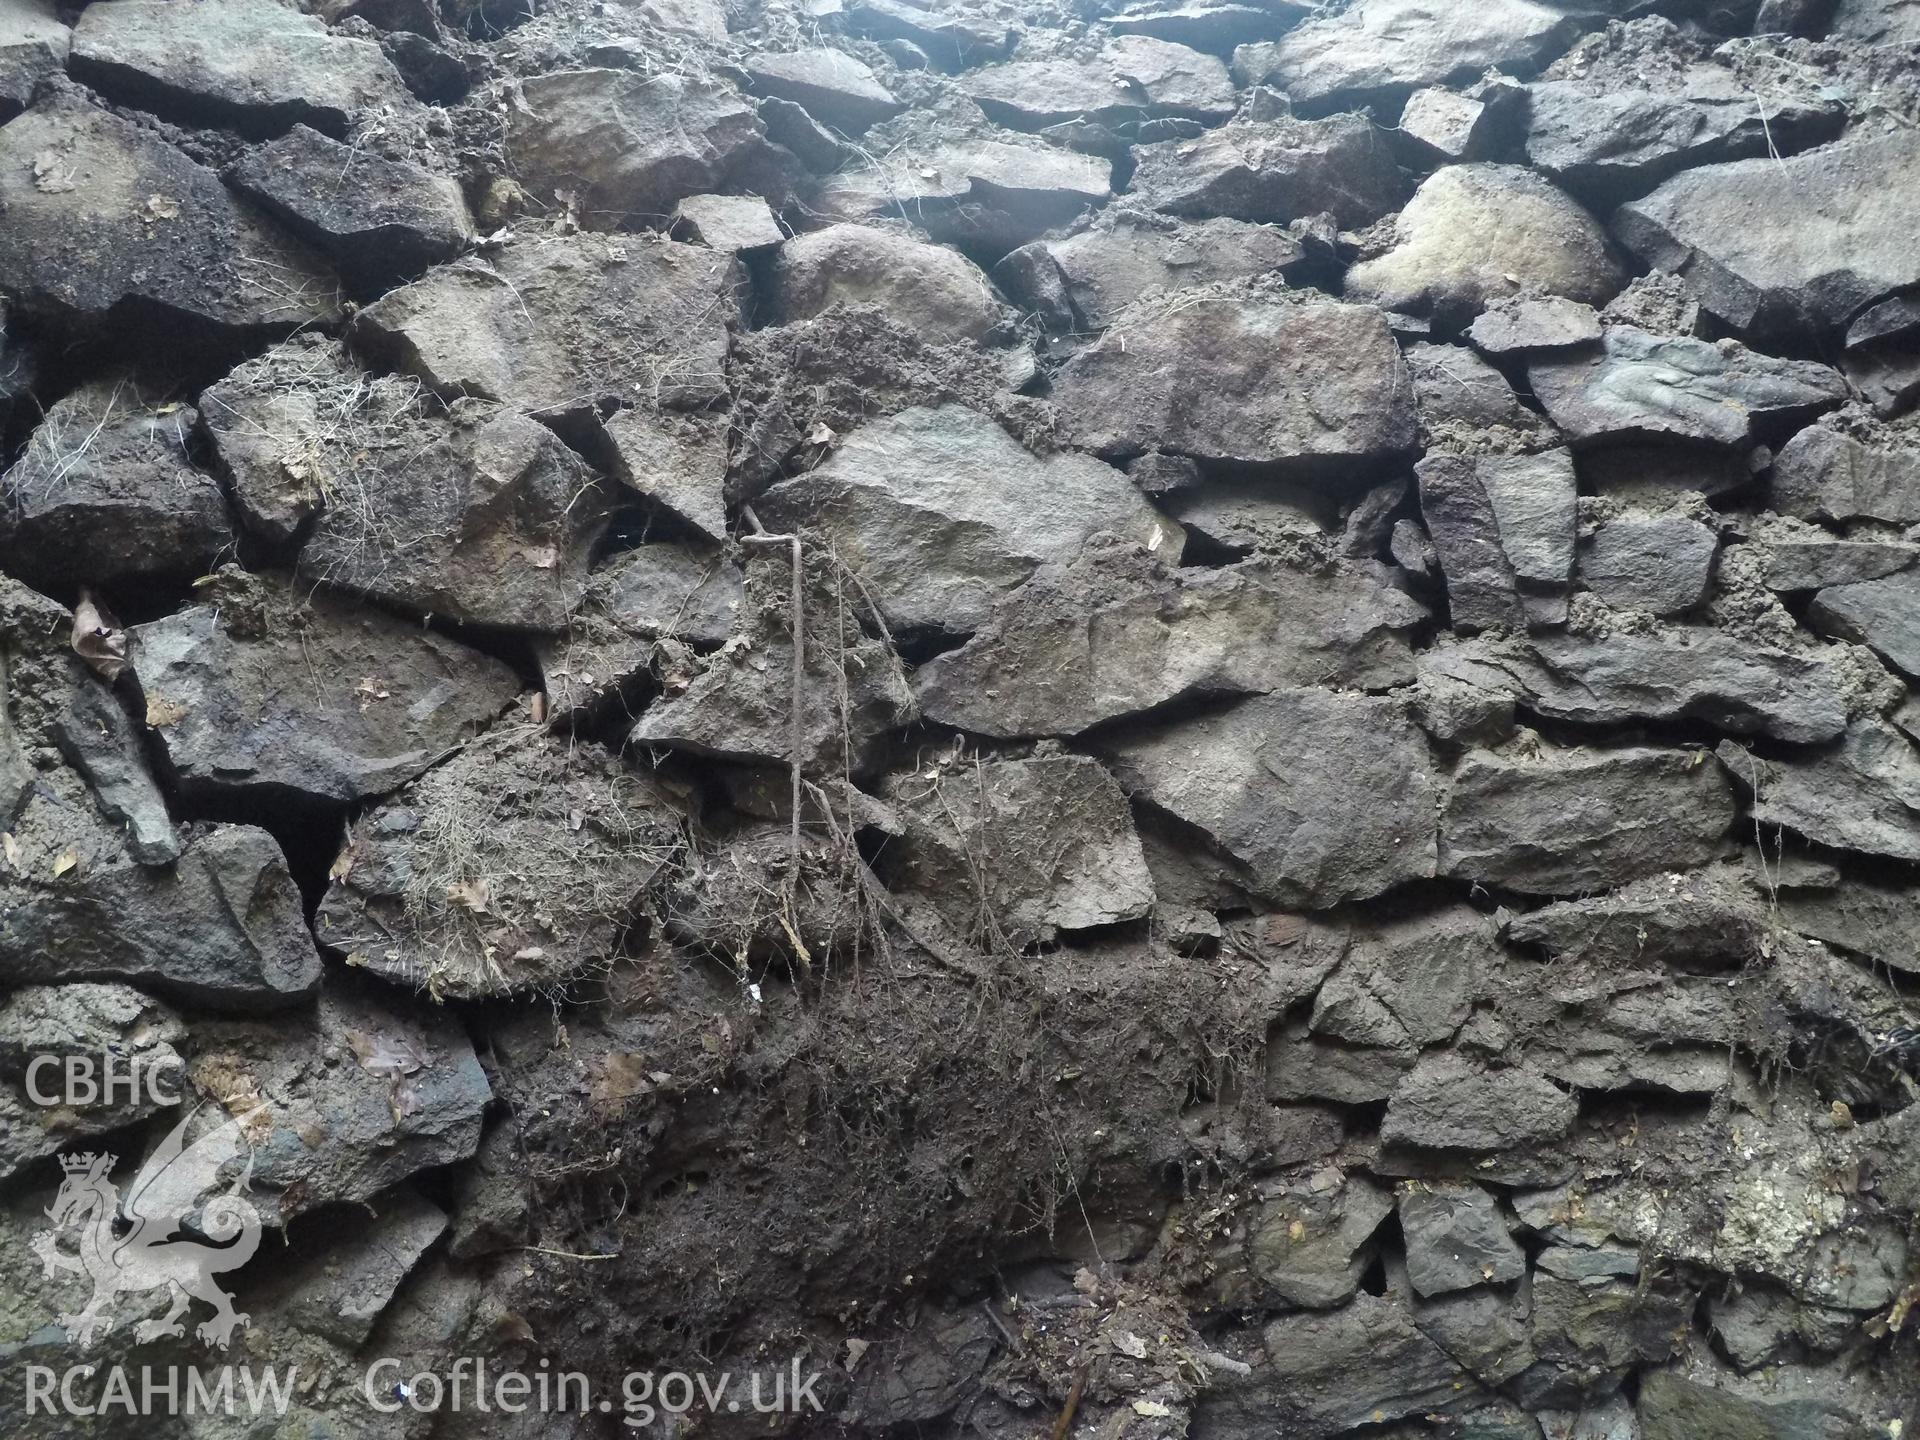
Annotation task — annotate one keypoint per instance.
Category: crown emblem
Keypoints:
(87, 1163)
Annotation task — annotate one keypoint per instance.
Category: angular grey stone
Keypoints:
(1486, 1331)
(483, 517)
(491, 1213)
(255, 65)
(1365, 1364)
(513, 867)
(665, 590)
(790, 126)
(1315, 821)
(1216, 25)
(118, 1032)
(1130, 79)
(106, 494)
(1588, 1334)
(1844, 240)
(357, 1096)
(1274, 171)
(1568, 822)
(1875, 22)
(33, 45)
(1673, 1407)
(1456, 1239)
(830, 84)
(1827, 473)
(1301, 1066)
(1381, 48)
(1460, 396)
(1448, 1102)
(932, 290)
(221, 926)
(1407, 983)
(1608, 125)
(1085, 280)
(1637, 386)
(102, 214)
(1448, 127)
(278, 696)
(1862, 794)
(566, 329)
(1710, 924)
(1503, 528)
(1239, 381)
(97, 738)
(380, 220)
(1883, 355)
(1661, 564)
(989, 194)
(737, 704)
(1307, 1243)
(1883, 615)
(338, 1292)
(941, 512)
(628, 147)
(736, 224)
(1512, 327)
(1874, 919)
(1040, 845)
(1473, 234)
(950, 41)
(1107, 637)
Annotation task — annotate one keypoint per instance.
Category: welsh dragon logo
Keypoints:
(135, 1245)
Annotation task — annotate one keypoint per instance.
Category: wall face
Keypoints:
(1124, 720)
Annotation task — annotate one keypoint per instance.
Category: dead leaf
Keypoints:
(66, 860)
(822, 434)
(473, 894)
(384, 1056)
(370, 689)
(1130, 1345)
(856, 1352)
(162, 712)
(621, 1078)
(544, 558)
(1151, 1409)
(50, 175)
(98, 639)
(12, 847)
(538, 707)
(342, 865)
(162, 207)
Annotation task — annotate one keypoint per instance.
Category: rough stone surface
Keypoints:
(929, 287)
(1567, 822)
(1861, 793)
(1503, 530)
(830, 84)
(1843, 242)
(1880, 614)
(1311, 827)
(1378, 48)
(34, 42)
(1514, 327)
(1269, 171)
(1807, 557)
(106, 493)
(513, 867)
(1000, 512)
(1134, 77)
(627, 148)
(378, 220)
(280, 697)
(737, 224)
(253, 64)
(1099, 639)
(1457, 1239)
(1637, 386)
(1449, 1103)
(1826, 473)
(1668, 675)
(1661, 564)
(1041, 845)
(106, 220)
(1245, 382)
(1473, 234)
(1085, 280)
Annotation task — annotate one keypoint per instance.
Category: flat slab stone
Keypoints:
(1274, 171)
(1246, 381)
(1843, 241)
(1503, 528)
(1447, 1102)
(1571, 821)
(626, 147)
(102, 214)
(739, 224)
(1659, 563)
(33, 45)
(1321, 796)
(830, 84)
(1797, 556)
(281, 696)
(1667, 675)
(1084, 280)
(1835, 472)
(255, 65)
(1134, 77)
(1102, 638)
(1883, 615)
(1456, 1239)
(990, 193)
(1638, 386)
(940, 512)
(933, 290)
(1513, 327)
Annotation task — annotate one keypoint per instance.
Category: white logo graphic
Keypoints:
(132, 1244)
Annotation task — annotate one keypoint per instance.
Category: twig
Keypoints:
(568, 1254)
(1065, 1422)
(797, 738)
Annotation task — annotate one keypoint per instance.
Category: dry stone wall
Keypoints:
(1133, 719)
